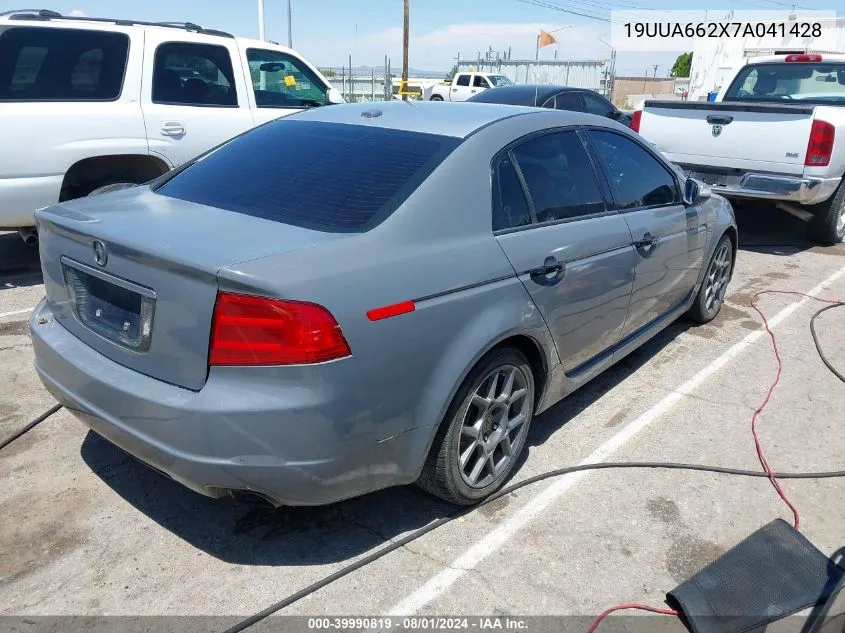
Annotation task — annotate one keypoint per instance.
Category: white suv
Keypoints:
(88, 104)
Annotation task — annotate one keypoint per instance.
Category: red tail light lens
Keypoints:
(250, 330)
(635, 120)
(820, 146)
(803, 58)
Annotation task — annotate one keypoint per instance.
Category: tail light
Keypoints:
(803, 58)
(249, 330)
(635, 120)
(820, 146)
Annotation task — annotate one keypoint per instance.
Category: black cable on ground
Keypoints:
(30, 426)
(816, 339)
(299, 595)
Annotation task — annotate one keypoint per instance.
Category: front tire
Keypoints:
(483, 434)
(436, 98)
(828, 224)
(711, 295)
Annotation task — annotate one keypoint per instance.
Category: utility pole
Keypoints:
(290, 28)
(655, 70)
(405, 33)
(261, 20)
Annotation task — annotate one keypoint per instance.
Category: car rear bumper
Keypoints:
(284, 444)
(806, 190)
(20, 197)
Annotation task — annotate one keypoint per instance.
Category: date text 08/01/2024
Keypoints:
(722, 29)
(418, 623)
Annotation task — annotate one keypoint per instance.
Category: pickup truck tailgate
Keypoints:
(760, 137)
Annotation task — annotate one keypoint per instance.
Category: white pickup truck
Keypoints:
(90, 104)
(776, 133)
(465, 85)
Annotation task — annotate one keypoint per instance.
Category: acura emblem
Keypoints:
(101, 255)
(717, 129)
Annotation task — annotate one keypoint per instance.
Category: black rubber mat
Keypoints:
(771, 574)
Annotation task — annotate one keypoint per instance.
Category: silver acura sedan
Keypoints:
(362, 296)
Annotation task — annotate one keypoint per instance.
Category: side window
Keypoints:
(38, 64)
(478, 81)
(560, 177)
(636, 177)
(510, 209)
(596, 105)
(463, 80)
(566, 101)
(280, 80)
(194, 75)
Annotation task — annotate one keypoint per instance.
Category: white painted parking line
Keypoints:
(14, 312)
(542, 500)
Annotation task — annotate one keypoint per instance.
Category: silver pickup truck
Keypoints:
(776, 133)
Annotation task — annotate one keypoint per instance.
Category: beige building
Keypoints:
(629, 91)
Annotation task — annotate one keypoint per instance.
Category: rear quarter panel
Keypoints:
(437, 249)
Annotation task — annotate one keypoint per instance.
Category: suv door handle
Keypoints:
(550, 267)
(645, 243)
(173, 128)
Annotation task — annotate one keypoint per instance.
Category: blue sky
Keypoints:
(325, 30)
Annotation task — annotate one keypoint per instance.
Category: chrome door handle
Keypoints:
(646, 243)
(172, 128)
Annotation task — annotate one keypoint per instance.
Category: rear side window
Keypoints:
(194, 75)
(596, 105)
(331, 177)
(50, 64)
(510, 208)
(559, 176)
(636, 177)
(565, 101)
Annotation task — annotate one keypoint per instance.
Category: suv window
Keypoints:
(560, 177)
(280, 80)
(193, 75)
(49, 64)
(565, 101)
(597, 105)
(341, 179)
(480, 82)
(463, 80)
(637, 179)
(510, 208)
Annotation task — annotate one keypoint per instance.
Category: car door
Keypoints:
(666, 233)
(573, 254)
(281, 84)
(461, 88)
(193, 97)
(479, 84)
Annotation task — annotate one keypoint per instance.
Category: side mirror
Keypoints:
(695, 192)
(334, 97)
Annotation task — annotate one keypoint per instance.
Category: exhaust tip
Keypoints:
(29, 236)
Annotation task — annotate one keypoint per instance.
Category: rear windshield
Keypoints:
(51, 64)
(790, 82)
(330, 177)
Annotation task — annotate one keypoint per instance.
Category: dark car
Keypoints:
(555, 97)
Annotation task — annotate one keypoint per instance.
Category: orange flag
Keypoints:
(546, 39)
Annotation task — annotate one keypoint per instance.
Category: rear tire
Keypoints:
(436, 98)
(711, 295)
(483, 434)
(828, 224)
(115, 186)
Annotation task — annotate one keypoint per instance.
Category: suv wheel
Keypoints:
(484, 432)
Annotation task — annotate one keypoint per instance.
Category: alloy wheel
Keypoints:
(716, 280)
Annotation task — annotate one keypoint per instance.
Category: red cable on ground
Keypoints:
(757, 445)
(641, 607)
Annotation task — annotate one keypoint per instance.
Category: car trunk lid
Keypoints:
(134, 274)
